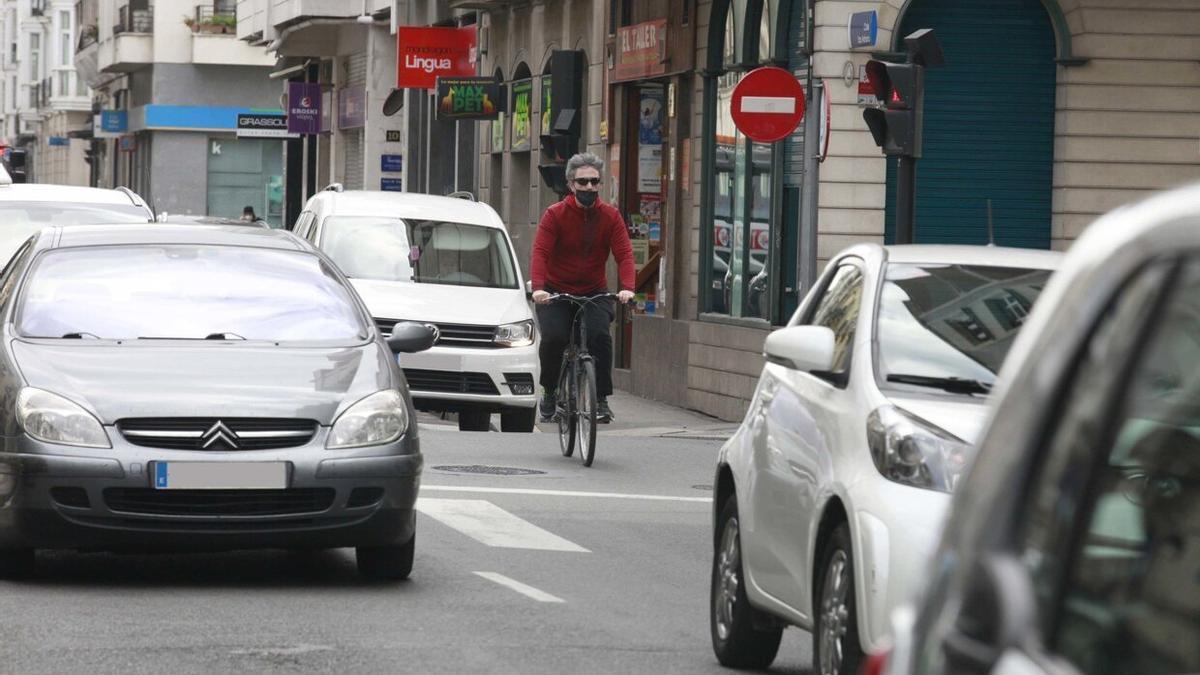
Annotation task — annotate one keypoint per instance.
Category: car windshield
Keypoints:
(420, 251)
(187, 292)
(20, 220)
(949, 327)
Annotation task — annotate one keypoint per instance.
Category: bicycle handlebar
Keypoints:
(582, 299)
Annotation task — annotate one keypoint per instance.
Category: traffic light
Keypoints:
(562, 141)
(900, 87)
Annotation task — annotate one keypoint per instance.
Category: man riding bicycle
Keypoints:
(570, 251)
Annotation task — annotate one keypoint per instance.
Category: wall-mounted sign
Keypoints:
(863, 29)
(58, 140)
(425, 54)
(127, 144)
(473, 98)
(352, 107)
(392, 136)
(391, 163)
(521, 105)
(498, 133)
(109, 123)
(304, 108)
(263, 125)
(641, 51)
(391, 184)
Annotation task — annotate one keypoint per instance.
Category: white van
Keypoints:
(446, 261)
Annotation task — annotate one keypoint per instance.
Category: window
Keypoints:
(1132, 596)
(64, 39)
(35, 53)
(838, 311)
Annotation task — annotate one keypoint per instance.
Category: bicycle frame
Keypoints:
(576, 404)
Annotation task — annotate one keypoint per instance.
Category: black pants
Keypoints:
(555, 320)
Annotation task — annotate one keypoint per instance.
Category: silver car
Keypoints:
(171, 387)
(1073, 546)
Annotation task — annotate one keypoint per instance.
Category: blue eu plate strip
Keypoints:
(160, 474)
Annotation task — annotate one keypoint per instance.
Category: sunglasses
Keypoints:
(587, 181)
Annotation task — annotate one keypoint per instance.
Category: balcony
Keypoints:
(37, 8)
(218, 17)
(132, 44)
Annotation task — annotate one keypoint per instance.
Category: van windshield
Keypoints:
(419, 251)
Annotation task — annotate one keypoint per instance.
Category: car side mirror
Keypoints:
(411, 337)
(529, 289)
(808, 348)
(997, 608)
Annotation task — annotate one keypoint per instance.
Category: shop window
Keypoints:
(742, 256)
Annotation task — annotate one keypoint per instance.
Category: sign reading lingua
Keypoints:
(473, 98)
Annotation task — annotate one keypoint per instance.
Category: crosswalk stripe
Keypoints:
(563, 493)
(489, 524)
(527, 591)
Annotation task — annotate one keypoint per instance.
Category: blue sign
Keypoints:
(114, 121)
(58, 140)
(391, 184)
(391, 163)
(864, 29)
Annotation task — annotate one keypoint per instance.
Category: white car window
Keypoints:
(838, 310)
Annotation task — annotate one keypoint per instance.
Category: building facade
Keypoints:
(42, 100)
(170, 78)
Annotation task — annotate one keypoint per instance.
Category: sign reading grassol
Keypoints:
(263, 125)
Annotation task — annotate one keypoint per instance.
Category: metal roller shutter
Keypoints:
(989, 124)
(352, 139)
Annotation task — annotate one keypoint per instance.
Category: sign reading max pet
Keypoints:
(473, 98)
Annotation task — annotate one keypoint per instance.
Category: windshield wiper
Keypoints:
(954, 385)
(80, 335)
(223, 336)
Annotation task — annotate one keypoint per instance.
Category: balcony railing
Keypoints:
(219, 16)
(37, 7)
(134, 20)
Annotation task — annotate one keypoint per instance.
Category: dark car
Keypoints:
(182, 388)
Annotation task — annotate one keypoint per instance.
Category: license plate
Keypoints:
(220, 475)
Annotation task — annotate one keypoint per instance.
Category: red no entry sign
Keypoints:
(767, 104)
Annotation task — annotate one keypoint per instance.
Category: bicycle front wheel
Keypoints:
(586, 413)
(564, 408)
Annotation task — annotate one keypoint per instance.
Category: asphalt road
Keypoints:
(553, 568)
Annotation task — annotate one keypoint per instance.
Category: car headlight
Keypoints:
(518, 334)
(909, 450)
(51, 418)
(379, 418)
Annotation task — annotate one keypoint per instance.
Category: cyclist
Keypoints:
(570, 252)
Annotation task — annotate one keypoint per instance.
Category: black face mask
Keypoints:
(586, 198)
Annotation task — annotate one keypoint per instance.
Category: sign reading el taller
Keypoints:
(425, 54)
(641, 51)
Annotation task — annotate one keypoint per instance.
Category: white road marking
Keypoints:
(528, 591)
(489, 524)
(429, 426)
(563, 493)
(769, 104)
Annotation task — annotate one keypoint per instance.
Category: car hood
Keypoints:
(962, 416)
(216, 379)
(439, 303)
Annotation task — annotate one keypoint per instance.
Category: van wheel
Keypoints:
(520, 420)
(836, 649)
(736, 642)
(474, 420)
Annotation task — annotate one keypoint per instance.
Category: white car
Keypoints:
(25, 208)
(1073, 545)
(831, 492)
(447, 261)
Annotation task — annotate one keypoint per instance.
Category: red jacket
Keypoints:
(572, 245)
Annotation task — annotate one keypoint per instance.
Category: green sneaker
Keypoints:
(546, 407)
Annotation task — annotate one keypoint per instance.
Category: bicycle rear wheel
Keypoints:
(565, 407)
(586, 413)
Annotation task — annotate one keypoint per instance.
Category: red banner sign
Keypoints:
(641, 51)
(425, 54)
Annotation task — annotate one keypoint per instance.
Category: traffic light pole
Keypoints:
(906, 200)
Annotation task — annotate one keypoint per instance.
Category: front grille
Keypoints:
(449, 382)
(212, 433)
(218, 502)
(452, 334)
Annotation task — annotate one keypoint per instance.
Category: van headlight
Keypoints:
(909, 450)
(51, 418)
(379, 418)
(519, 334)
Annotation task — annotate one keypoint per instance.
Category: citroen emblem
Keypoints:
(219, 432)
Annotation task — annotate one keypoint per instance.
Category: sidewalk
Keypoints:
(635, 416)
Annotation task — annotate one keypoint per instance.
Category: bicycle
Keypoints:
(575, 398)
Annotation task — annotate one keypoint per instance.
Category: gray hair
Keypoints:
(581, 160)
